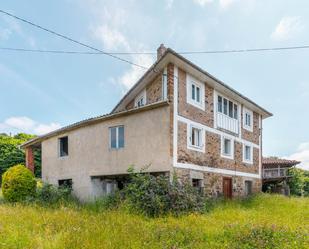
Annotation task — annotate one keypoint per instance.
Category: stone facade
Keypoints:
(212, 156)
(188, 111)
(153, 93)
(213, 183)
(254, 135)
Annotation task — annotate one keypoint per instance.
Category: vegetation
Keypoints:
(18, 184)
(156, 196)
(264, 221)
(299, 182)
(11, 154)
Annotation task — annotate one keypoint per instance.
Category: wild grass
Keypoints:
(265, 221)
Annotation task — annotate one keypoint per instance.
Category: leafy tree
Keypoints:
(11, 154)
(299, 182)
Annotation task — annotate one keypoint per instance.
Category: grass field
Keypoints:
(262, 222)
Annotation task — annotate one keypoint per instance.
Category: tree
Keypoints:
(11, 154)
(299, 182)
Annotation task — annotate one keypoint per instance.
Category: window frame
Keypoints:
(190, 146)
(191, 81)
(244, 119)
(117, 137)
(141, 96)
(59, 147)
(244, 153)
(225, 109)
(232, 143)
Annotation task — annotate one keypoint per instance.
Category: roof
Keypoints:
(37, 140)
(270, 161)
(171, 56)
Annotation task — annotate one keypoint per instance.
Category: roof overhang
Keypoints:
(171, 56)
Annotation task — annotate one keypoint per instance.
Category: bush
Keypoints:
(18, 184)
(50, 194)
(155, 196)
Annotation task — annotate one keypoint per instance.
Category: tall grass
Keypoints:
(265, 221)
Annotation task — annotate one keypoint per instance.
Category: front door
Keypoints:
(227, 187)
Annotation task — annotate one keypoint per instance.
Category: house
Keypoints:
(177, 119)
(276, 174)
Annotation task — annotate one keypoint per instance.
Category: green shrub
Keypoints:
(157, 195)
(50, 194)
(18, 184)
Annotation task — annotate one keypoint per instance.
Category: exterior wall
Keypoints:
(146, 143)
(212, 156)
(191, 112)
(213, 183)
(254, 135)
(153, 92)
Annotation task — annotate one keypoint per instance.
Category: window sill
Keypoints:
(196, 104)
(248, 128)
(227, 157)
(63, 157)
(196, 148)
(248, 162)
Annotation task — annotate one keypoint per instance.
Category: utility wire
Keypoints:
(72, 40)
(71, 52)
(152, 53)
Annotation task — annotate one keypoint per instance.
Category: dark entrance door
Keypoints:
(227, 187)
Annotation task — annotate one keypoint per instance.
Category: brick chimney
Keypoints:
(160, 51)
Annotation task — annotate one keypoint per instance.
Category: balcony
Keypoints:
(275, 173)
(227, 123)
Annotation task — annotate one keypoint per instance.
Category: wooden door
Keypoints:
(227, 187)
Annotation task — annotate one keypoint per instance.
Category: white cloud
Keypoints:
(202, 2)
(27, 125)
(129, 78)
(224, 4)
(169, 4)
(302, 155)
(287, 28)
(112, 34)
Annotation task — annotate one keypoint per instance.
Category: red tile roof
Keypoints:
(278, 161)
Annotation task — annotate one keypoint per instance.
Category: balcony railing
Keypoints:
(275, 173)
(227, 123)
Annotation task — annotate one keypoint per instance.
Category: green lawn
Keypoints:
(263, 222)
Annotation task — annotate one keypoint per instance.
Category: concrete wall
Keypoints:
(146, 143)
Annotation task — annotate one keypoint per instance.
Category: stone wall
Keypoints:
(191, 112)
(254, 135)
(153, 92)
(213, 183)
(212, 155)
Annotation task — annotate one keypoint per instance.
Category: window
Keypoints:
(195, 92)
(227, 147)
(66, 183)
(227, 107)
(247, 119)
(116, 135)
(140, 100)
(247, 153)
(197, 184)
(63, 146)
(196, 136)
(248, 188)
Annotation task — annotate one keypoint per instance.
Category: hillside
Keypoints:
(262, 222)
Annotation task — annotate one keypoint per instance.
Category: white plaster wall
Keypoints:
(147, 142)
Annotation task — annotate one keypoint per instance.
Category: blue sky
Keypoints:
(41, 92)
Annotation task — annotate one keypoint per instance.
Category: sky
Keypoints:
(41, 92)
